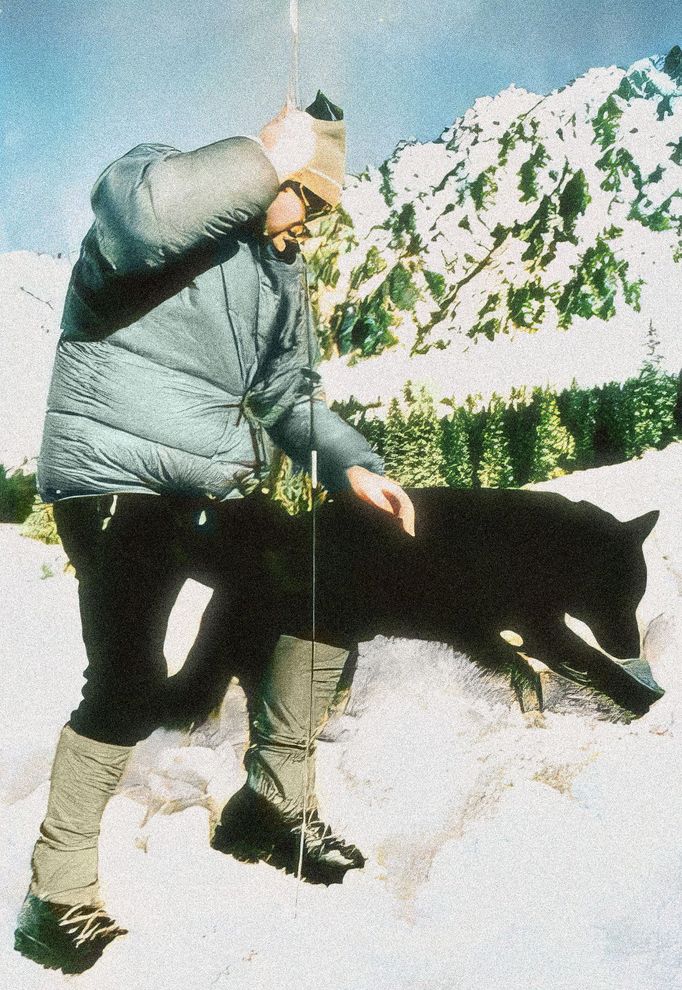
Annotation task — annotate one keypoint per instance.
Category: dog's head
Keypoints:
(610, 577)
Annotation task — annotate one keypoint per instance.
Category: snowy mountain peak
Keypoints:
(530, 213)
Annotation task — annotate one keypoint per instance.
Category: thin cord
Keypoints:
(293, 96)
(293, 100)
(313, 584)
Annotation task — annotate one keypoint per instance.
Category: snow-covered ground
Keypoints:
(32, 291)
(505, 851)
(592, 352)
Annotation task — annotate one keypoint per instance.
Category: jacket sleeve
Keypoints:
(280, 402)
(155, 205)
(339, 446)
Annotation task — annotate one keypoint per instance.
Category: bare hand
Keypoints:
(382, 493)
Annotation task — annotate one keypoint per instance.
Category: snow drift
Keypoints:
(505, 851)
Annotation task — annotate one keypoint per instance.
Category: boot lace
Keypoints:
(319, 837)
(87, 922)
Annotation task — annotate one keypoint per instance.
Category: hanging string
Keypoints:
(294, 102)
(293, 95)
(313, 378)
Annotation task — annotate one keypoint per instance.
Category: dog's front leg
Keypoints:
(568, 654)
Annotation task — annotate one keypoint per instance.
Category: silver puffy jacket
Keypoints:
(185, 335)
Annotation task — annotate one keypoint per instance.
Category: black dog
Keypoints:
(481, 562)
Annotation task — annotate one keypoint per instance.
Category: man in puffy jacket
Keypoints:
(187, 352)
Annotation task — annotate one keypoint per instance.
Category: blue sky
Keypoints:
(81, 83)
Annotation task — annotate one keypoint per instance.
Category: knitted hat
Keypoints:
(325, 172)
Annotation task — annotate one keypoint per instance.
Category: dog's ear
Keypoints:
(642, 525)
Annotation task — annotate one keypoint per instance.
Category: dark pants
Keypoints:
(132, 555)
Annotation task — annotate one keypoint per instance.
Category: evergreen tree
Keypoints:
(554, 447)
(476, 414)
(648, 410)
(395, 442)
(519, 423)
(424, 465)
(495, 467)
(653, 346)
(17, 494)
(579, 409)
(612, 424)
(459, 468)
(413, 453)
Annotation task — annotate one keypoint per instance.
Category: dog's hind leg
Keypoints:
(200, 685)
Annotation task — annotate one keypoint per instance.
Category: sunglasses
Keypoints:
(315, 206)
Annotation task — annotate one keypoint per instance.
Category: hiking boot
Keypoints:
(64, 936)
(252, 829)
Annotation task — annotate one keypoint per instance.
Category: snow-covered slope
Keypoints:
(506, 851)
(530, 216)
(32, 290)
